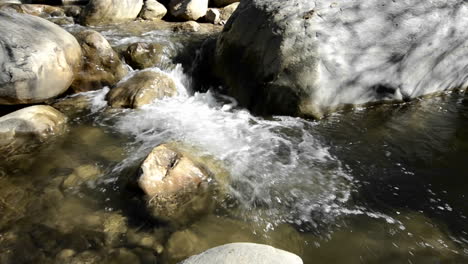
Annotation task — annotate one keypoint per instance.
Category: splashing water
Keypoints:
(277, 167)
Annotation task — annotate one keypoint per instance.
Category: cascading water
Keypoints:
(277, 166)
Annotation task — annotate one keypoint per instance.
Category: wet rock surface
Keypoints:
(177, 187)
(141, 89)
(29, 126)
(101, 66)
(143, 55)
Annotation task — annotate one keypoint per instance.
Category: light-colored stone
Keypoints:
(213, 15)
(302, 57)
(35, 69)
(211, 231)
(188, 9)
(153, 10)
(244, 253)
(29, 126)
(110, 11)
(177, 186)
(102, 65)
(141, 89)
(223, 3)
(227, 11)
(189, 26)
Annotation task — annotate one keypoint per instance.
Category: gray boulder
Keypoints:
(304, 57)
(34, 69)
(110, 11)
(188, 9)
(244, 253)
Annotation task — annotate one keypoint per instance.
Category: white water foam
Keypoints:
(278, 167)
(280, 170)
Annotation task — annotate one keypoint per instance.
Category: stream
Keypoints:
(376, 184)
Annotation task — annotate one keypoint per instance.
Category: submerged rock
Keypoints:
(80, 175)
(141, 89)
(244, 253)
(110, 11)
(212, 231)
(304, 57)
(14, 201)
(32, 125)
(188, 9)
(35, 69)
(153, 10)
(177, 186)
(102, 65)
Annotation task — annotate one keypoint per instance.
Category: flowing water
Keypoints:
(382, 184)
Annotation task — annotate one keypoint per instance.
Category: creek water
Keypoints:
(380, 184)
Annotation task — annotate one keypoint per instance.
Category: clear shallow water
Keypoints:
(384, 184)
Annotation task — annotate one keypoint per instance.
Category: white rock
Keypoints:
(153, 10)
(34, 69)
(188, 9)
(244, 253)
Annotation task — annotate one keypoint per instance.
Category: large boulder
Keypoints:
(24, 128)
(141, 89)
(244, 253)
(110, 11)
(178, 185)
(34, 69)
(304, 57)
(102, 65)
(188, 9)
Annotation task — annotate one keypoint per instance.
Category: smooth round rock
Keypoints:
(34, 69)
(28, 126)
(110, 11)
(141, 89)
(244, 253)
